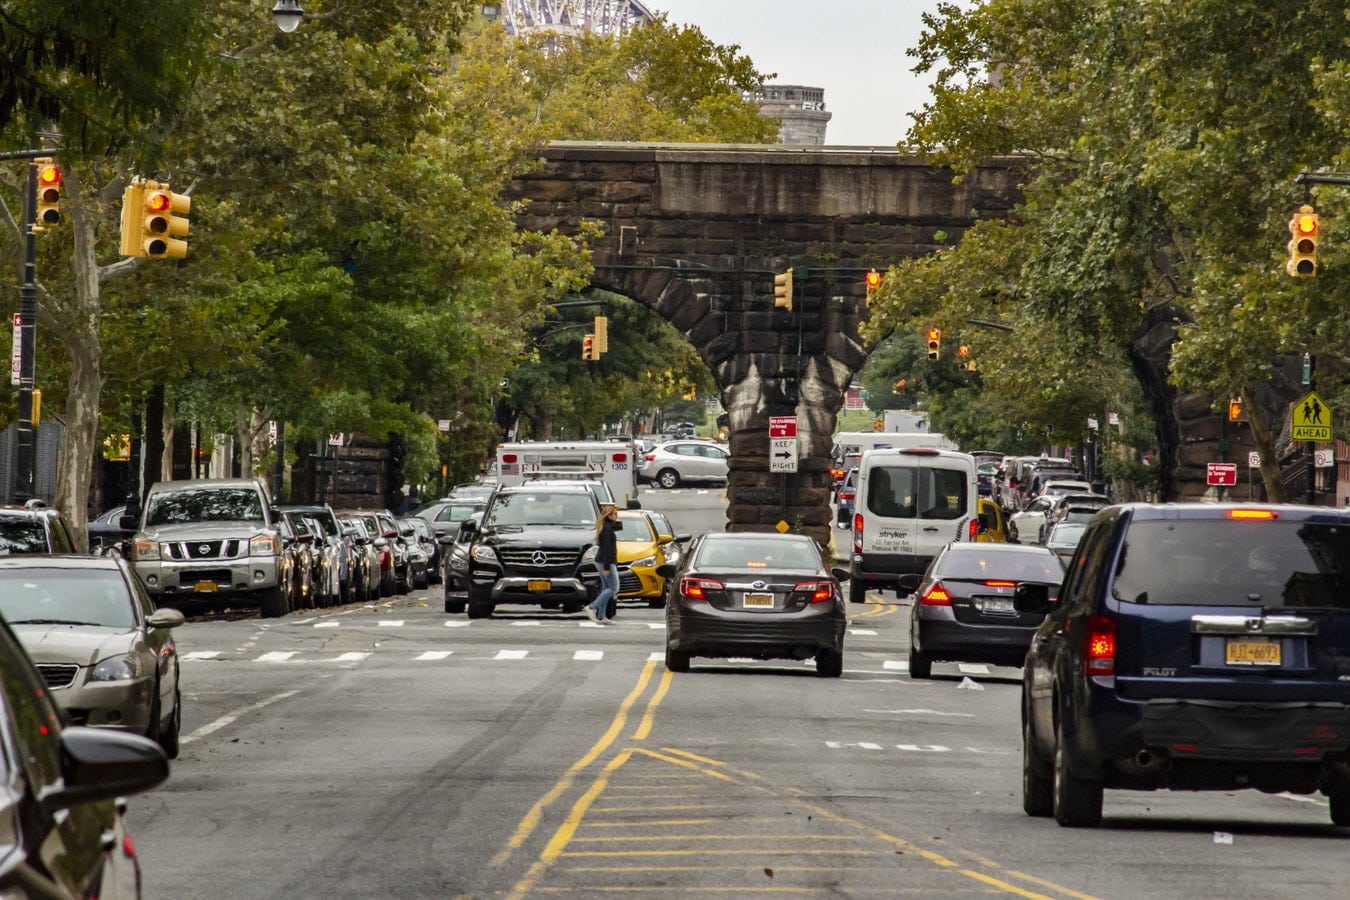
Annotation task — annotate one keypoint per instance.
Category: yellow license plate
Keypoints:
(1252, 653)
(205, 587)
(759, 600)
(538, 585)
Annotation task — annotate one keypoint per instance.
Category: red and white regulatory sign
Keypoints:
(1222, 474)
(782, 426)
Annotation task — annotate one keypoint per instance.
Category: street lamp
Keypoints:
(288, 15)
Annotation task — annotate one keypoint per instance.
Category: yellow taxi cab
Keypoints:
(995, 524)
(642, 546)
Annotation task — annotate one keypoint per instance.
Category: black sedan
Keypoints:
(963, 605)
(762, 596)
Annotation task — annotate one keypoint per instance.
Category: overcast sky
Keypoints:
(854, 49)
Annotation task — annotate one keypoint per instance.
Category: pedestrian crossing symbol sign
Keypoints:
(1312, 419)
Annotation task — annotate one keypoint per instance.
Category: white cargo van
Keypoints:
(614, 462)
(910, 503)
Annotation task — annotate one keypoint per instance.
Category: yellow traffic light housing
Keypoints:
(934, 344)
(154, 221)
(1303, 227)
(601, 342)
(588, 347)
(873, 283)
(782, 290)
(1236, 412)
(48, 210)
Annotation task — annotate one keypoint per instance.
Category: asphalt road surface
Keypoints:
(391, 750)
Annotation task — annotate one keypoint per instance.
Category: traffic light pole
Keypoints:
(27, 322)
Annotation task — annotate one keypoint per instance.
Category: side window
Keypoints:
(1083, 582)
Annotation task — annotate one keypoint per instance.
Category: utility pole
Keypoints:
(27, 322)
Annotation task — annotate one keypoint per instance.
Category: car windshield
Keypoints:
(66, 597)
(207, 505)
(457, 512)
(1227, 562)
(541, 508)
(975, 562)
(22, 536)
(633, 529)
(756, 553)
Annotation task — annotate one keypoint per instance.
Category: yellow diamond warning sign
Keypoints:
(1312, 419)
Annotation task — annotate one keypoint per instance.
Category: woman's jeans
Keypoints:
(609, 586)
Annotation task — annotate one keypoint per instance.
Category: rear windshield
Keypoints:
(756, 553)
(977, 565)
(924, 492)
(1221, 562)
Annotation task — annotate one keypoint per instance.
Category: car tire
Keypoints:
(1038, 778)
(571, 607)
(480, 610)
(920, 666)
(169, 737)
(272, 603)
(1338, 797)
(857, 590)
(656, 602)
(346, 592)
(677, 660)
(420, 581)
(668, 478)
(829, 663)
(1077, 801)
(386, 584)
(154, 728)
(454, 607)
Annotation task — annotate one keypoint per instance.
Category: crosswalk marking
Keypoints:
(327, 623)
(277, 656)
(391, 623)
(456, 623)
(870, 632)
(511, 654)
(351, 657)
(432, 655)
(587, 655)
(973, 668)
(201, 654)
(894, 664)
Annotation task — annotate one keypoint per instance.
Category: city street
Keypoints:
(392, 750)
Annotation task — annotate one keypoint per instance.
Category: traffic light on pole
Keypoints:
(154, 221)
(782, 290)
(601, 343)
(934, 344)
(1303, 243)
(48, 210)
(588, 347)
(873, 282)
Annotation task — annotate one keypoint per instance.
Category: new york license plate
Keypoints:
(761, 601)
(205, 587)
(1249, 652)
(538, 584)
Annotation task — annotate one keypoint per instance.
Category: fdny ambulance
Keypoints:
(613, 462)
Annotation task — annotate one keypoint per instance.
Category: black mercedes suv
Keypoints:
(535, 545)
(1192, 647)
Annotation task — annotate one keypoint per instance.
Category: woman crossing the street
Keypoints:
(606, 558)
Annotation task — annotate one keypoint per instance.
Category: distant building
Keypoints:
(800, 109)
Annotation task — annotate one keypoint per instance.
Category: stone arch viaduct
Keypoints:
(697, 232)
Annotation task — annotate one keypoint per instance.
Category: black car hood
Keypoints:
(538, 536)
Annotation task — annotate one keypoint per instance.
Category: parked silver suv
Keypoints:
(212, 540)
(676, 462)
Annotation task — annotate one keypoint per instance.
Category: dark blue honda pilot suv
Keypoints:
(1192, 647)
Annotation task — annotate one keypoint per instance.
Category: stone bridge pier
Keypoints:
(697, 233)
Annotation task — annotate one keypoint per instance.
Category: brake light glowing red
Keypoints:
(1100, 658)
(936, 596)
(697, 588)
(1258, 514)
(620, 457)
(857, 532)
(649, 457)
(847, 494)
(508, 457)
(820, 591)
(974, 528)
(1000, 584)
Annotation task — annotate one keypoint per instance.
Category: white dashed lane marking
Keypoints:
(277, 656)
(433, 655)
(511, 654)
(585, 655)
(201, 654)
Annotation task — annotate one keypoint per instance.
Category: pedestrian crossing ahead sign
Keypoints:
(1312, 419)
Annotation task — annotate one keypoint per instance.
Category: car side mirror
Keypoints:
(128, 522)
(168, 617)
(840, 574)
(909, 582)
(97, 764)
(1032, 598)
(683, 537)
(665, 570)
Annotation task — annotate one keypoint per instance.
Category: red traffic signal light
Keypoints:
(588, 347)
(48, 210)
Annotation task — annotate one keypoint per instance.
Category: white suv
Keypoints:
(676, 462)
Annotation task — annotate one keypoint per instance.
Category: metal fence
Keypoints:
(46, 449)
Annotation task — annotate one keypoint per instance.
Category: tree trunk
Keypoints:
(1265, 445)
(1150, 355)
(543, 423)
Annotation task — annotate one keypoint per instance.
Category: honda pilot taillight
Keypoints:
(820, 591)
(697, 588)
(1100, 655)
(936, 596)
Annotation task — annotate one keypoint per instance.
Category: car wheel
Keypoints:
(154, 729)
(1038, 785)
(346, 592)
(168, 738)
(1339, 798)
(656, 602)
(677, 660)
(386, 584)
(829, 663)
(668, 478)
(420, 581)
(1077, 801)
(272, 603)
(454, 607)
(857, 590)
(920, 666)
(480, 610)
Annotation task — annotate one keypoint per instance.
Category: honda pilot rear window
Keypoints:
(1265, 564)
(923, 492)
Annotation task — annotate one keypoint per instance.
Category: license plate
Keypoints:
(1001, 605)
(1252, 653)
(205, 587)
(541, 584)
(763, 601)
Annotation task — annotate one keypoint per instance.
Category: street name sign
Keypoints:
(1221, 473)
(1312, 419)
(783, 454)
